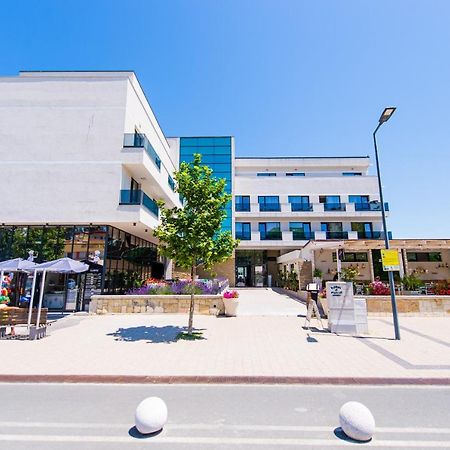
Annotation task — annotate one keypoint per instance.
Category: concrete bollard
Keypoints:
(150, 415)
(356, 421)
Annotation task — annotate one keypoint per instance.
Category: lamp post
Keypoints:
(385, 116)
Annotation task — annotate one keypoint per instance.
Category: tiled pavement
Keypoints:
(246, 346)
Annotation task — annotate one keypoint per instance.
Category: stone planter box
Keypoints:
(156, 304)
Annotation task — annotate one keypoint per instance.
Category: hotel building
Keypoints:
(84, 161)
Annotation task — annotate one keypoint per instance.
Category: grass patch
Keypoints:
(194, 336)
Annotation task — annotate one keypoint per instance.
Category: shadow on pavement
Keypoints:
(151, 334)
(339, 433)
(133, 432)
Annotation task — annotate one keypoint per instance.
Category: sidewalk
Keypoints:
(263, 346)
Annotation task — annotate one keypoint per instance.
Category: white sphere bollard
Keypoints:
(150, 415)
(356, 421)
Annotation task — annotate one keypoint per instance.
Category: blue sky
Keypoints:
(296, 78)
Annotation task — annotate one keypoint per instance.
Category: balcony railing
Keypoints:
(373, 235)
(301, 207)
(137, 197)
(337, 235)
(264, 207)
(302, 235)
(171, 182)
(334, 206)
(271, 236)
(244, 235)
(372, 206)
(242, 207)
(136, 140)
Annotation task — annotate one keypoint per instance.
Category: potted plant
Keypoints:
(317, 276)
(231, 302)
(410, 284)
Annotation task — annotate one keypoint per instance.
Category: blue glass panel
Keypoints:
(188, 142)
(222, 141)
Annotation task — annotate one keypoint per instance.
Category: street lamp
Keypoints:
(385, 116)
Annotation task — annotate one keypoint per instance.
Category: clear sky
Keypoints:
(285, 77)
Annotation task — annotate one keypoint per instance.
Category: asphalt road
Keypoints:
(82, 416)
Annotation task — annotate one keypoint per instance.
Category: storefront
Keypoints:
(117, 261)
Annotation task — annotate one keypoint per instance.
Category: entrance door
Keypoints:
(243, 276)
(378, 266)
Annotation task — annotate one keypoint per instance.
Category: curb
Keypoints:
(133, 379)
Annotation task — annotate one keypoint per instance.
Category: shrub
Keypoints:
(411, 282)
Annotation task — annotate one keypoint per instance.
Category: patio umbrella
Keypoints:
(18, 265)
(61, 265)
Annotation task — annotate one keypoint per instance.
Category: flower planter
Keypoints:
(231, 306)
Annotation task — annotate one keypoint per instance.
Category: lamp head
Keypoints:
(387, 113)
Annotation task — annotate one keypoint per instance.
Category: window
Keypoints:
(295, 174)
(269, 203)
(242, 203)
(270, 231)
(300, 230)
(266, 174)
(332, 202)
(299, 203)
(361, 202)
(243, 231)
(351, 174)
(333, 230)
(353, 257)
(424, 256)
(364, 230)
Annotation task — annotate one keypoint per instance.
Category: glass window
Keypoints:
(351, 174)
(243, 230)
(424, 256)
(242, 203)
(295, 174)
(269, 203)
(270, 230)
(331, 226)
(266, 174)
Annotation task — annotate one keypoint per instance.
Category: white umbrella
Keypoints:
(61, 265)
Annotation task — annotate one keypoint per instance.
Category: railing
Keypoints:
(242, 207)
(334, 206)
(269, 207)
(137, 197)
(337, 235)
(302, 235)
(244, 235)
(271, 236)
(373, 235)
(373, 206)
(137, 140)
(301, 207)
(171, 182)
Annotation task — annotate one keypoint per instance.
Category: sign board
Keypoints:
(390, 260)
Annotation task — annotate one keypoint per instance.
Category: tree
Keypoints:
(191, 235)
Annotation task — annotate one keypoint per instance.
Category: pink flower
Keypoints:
(230, 294)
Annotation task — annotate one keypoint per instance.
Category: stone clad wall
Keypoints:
(158, 304)
(411, 305)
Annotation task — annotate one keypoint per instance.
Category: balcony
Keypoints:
(373, 235)
(135, 140)
(171, 182)
(301, 207)
(271, 236)
(242, 207)
(137, 197)
(334, 206)
(298, 235)
(243, 235)
(371, 206)
(336, 235)
(267, 207)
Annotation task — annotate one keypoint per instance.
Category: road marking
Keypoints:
(221, 440)
(201, 426)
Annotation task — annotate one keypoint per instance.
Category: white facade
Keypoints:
(319, 179)
(63, 155)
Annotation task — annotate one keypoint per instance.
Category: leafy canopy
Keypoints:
(191, 235)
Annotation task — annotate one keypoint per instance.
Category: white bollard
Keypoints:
(150, 415)
(356, 421)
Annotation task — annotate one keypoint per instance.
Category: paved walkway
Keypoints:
(243, 346)
(266, 302)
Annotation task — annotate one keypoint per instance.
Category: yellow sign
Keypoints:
(390, 260)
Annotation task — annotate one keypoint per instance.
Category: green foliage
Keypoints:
(191, 235)
(317, 273)
(288, 280)
(349, 273)
(411, 282)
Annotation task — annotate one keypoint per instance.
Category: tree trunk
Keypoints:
(191, 306)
